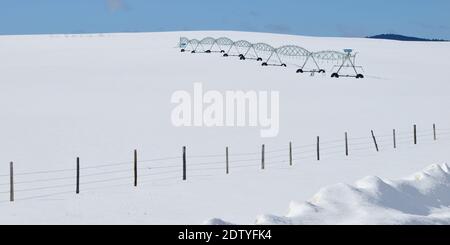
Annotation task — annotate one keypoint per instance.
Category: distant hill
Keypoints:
(405, 38)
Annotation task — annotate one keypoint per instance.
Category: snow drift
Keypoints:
(422, 198)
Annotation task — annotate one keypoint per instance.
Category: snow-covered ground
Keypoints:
(101, 96)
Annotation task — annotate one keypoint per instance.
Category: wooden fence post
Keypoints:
(135, 168)
(346, 144)
(393, 137)
(226, 158)
(11, 182)
(434, 132)
(374, 140)
(415, 134)
(318, 149)
(262, 157)
(290, 153)
(77, 191)
(184, 162)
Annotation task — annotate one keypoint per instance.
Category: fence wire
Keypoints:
(163, 169)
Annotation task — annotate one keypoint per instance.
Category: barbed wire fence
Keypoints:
(183, 167)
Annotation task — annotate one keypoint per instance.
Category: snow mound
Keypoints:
(422, 198)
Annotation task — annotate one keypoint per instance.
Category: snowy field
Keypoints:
(100, 96)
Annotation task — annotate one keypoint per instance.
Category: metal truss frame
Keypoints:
(223, 43)
(203, 46)
(184, 44)
(189, 44)
(258, 50)
(240, 47)
(329, 55)
(348, 61)
(246, 50)
(314, 57)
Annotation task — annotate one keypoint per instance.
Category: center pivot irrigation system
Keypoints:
(306, 61)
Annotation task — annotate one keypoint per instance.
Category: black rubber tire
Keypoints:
(360, 76)
(225, 55)
(284, 65)
(259, 59)
(335, 75)
(299, 71)
(222, 51)
(183, 50)
(264, 64)
(193, 52)
(242, 58)
(208, 51)
(321, 71)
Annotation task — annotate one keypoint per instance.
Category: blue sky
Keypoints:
(424, 18)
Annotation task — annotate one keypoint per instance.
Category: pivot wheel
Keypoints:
(242, 57)
(182, 50)
(321, 71)
(360, 76)
(264, 64)
(259, 59)
(225, 55)
(335, 75)
(299, 71)
(222, 51)
(208, 51)
(284, 65)
(193, 52)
